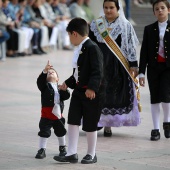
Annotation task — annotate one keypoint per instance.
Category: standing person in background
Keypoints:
(63, 18)
(65, 9)
(76, 9)
(87, 9)
(155, 55)
(127, 9)
(128, 12)
(120, 104)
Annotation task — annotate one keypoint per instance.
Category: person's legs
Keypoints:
(44, 133)
(71, 156)
(62, 146)
(155, 110)
(43, 142)
(166, 123)
(91, 152)
(127, 9)
(91, 143)
(166, 110)
(73, 135)
(60, 131)
(4, 36)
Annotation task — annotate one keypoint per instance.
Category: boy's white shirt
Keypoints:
(56, 109)
(77, 52)
(162, 28)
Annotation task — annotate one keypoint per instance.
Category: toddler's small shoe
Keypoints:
(41, 154)
(89, 160)
(155, 135)
(62, 150)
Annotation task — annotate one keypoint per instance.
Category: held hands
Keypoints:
(63, 86)
(90, 94)
(133, 71)
(47, 67)
(142, 81)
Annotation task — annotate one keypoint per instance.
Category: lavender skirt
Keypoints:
(118, 120)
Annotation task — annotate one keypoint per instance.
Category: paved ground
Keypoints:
(128, 149)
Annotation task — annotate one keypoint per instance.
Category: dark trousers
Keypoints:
(127, 9)
(4, 37)
(36, 37)
(159, 83)
(12, 42)
(45, 126)
(82, 108)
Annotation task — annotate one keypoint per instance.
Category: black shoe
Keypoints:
(41, 154)
(12, 55)
(62, 150)
(21, 54)
(36, 51)
(42, 51)
(72, 158)
(107, 133)
(155, 135)
(89, 160)
(166, 127)
(67, 48)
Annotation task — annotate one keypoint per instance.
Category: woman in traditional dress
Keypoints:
(120, 105)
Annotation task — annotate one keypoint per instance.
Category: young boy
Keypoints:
(155, 55)
(52, 108)
(85, 103)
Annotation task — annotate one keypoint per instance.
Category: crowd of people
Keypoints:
(32, 26)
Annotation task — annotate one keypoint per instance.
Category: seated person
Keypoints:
(4, 36)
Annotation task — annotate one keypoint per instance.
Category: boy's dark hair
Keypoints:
(115, 1)
(164, 1)
(78, 25)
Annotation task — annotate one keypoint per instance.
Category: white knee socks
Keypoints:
(42, 142)
(166, 110)
(62, 141)
(91, 142)
(73, 136)
(155, 110)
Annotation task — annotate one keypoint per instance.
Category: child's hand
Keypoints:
(142, 81)
(47, 67)
(90, 94)
(133, 71)
(63, 86)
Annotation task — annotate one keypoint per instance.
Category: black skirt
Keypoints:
(117, 85)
